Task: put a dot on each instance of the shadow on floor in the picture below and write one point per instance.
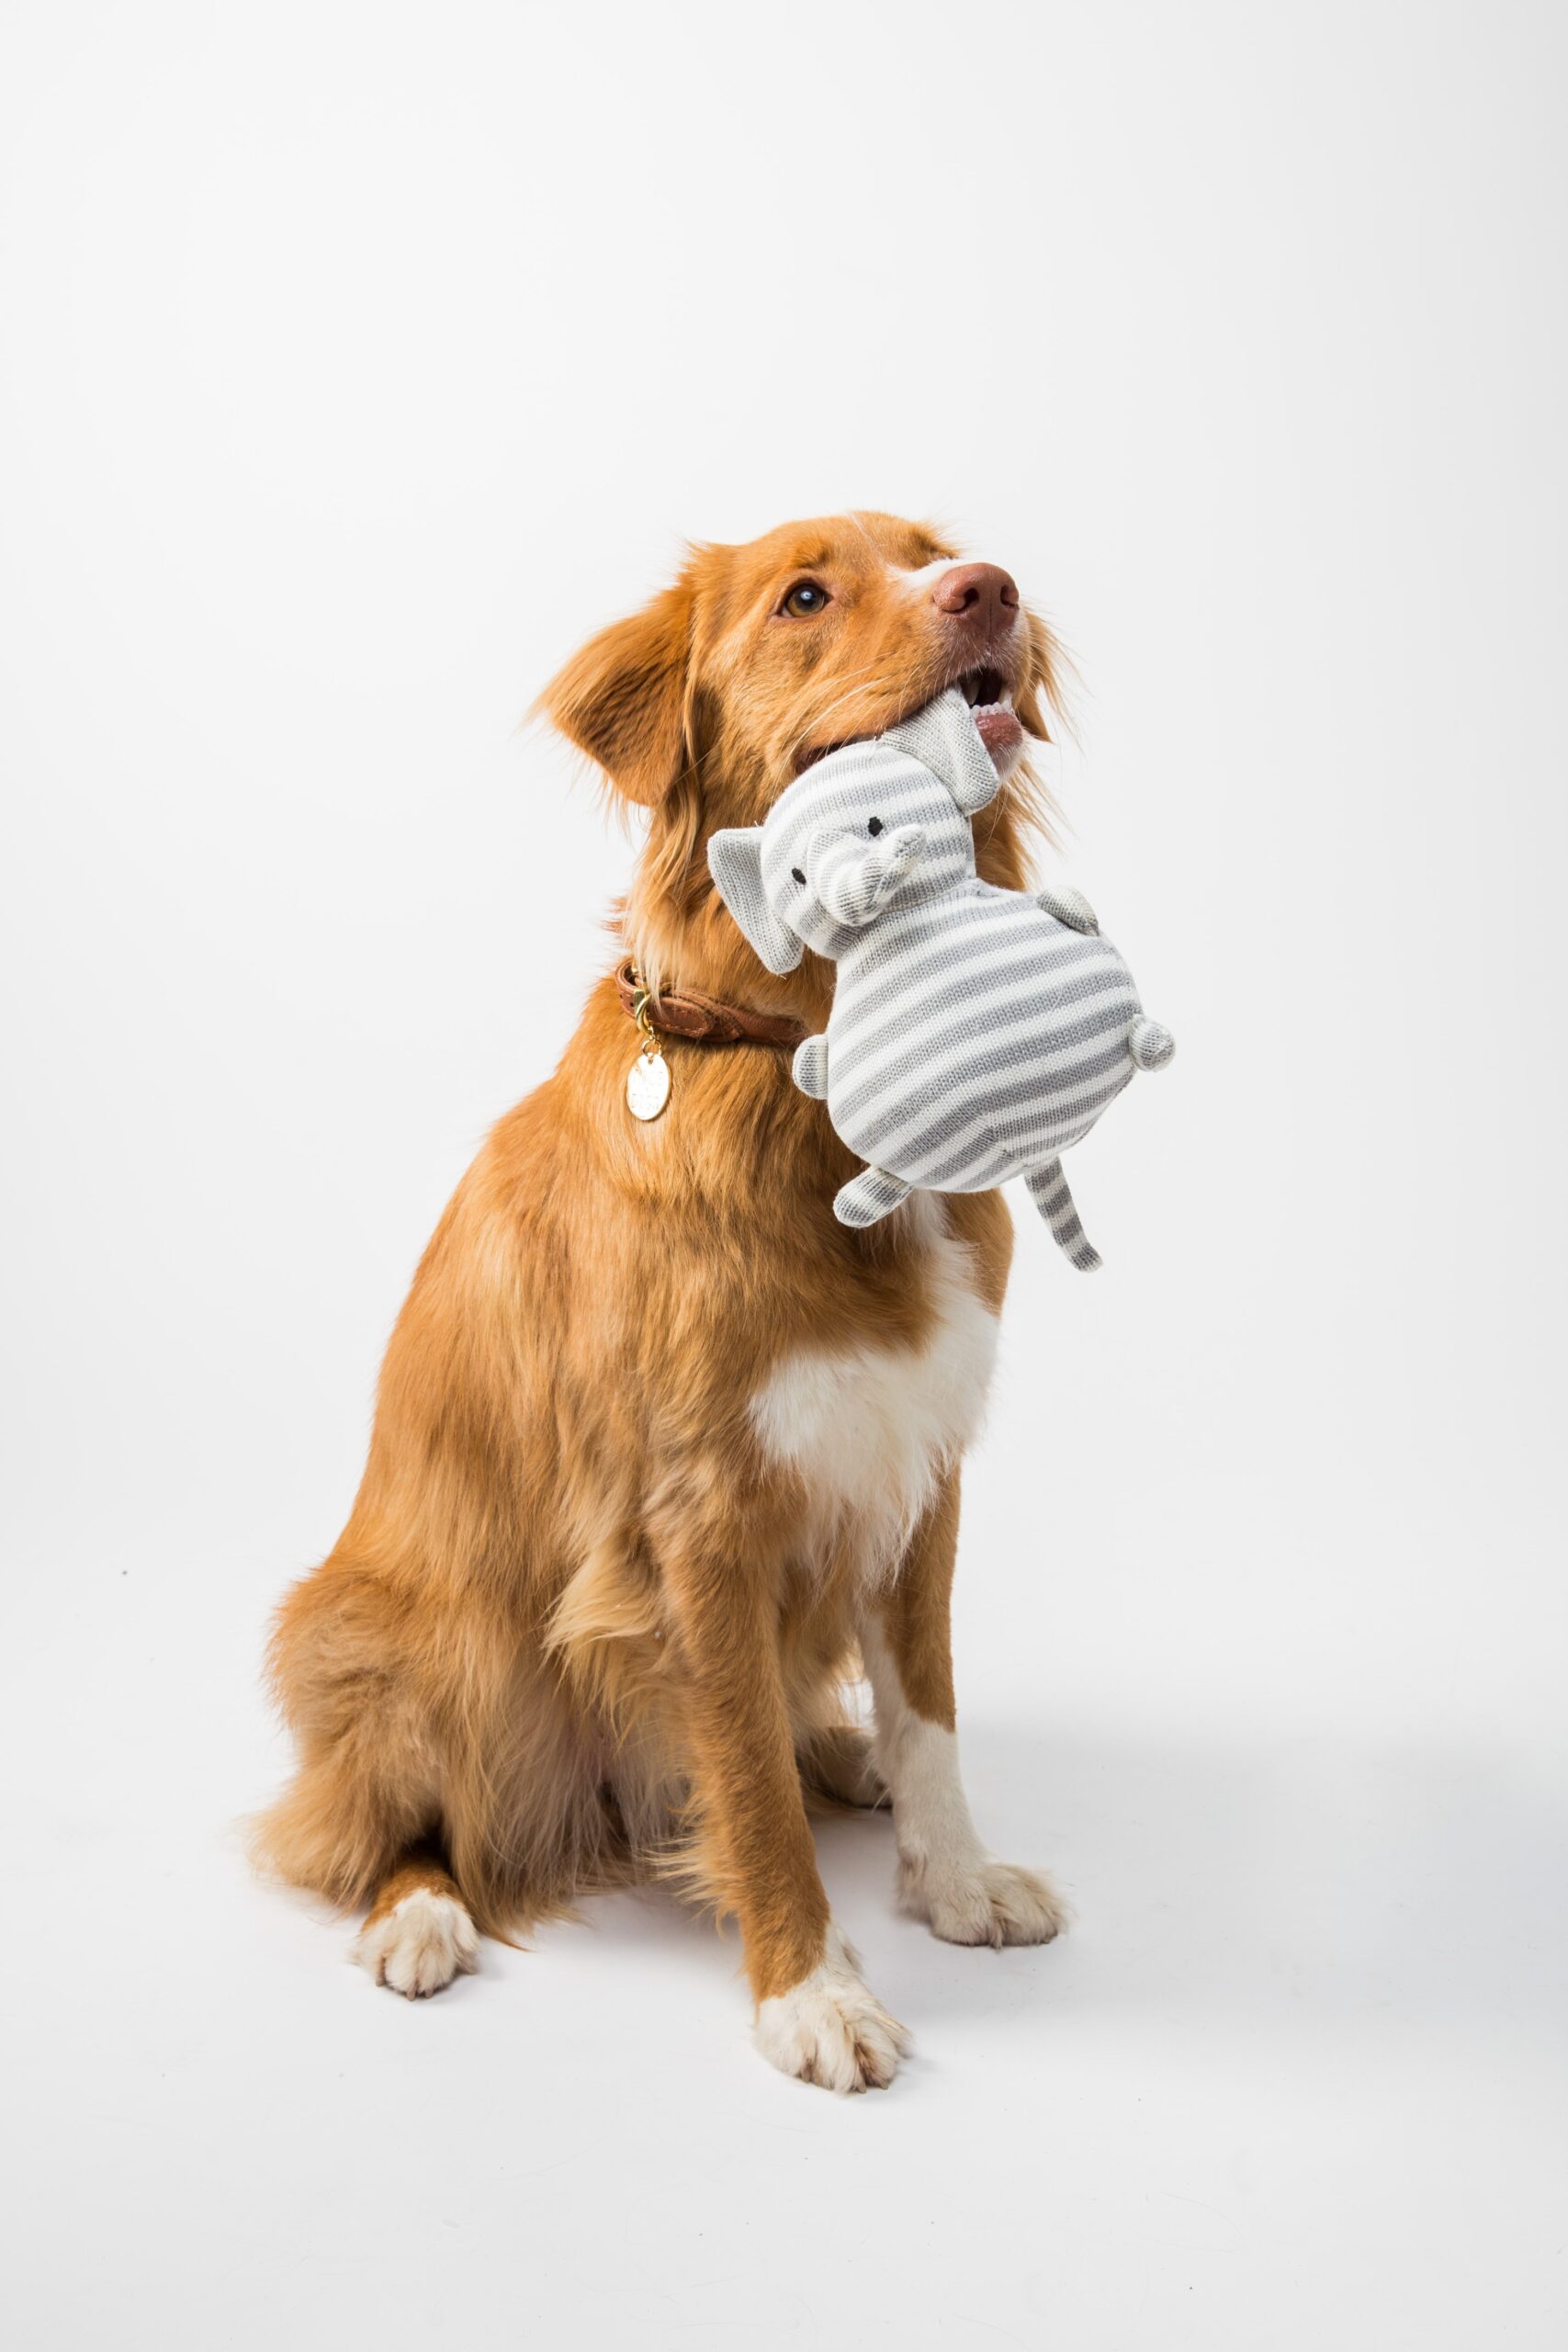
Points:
(1305, 1879)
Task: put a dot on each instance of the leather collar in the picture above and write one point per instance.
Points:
(702, 1020)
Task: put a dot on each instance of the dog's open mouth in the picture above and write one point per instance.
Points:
(981, 688)
(996, 723)
(988, 696)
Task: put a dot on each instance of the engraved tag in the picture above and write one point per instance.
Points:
(648, 1085)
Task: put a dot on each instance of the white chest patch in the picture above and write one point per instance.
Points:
(870, 1431)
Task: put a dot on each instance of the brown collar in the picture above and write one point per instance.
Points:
(686, 1012)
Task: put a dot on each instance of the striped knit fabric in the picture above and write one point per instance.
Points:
(976, 1032)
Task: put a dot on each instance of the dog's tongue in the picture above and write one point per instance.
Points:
(1000, 729)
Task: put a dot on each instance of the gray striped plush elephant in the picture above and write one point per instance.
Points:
(976, 1032)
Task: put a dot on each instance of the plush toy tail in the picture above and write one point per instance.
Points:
(1150, 1046)
(1054, 1203)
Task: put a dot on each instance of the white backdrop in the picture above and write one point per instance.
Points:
(358, 361)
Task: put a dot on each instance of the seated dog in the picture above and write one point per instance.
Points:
(662, 1451)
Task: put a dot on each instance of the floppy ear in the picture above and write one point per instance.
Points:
(943, 738)
(623, 698)
(734, 861)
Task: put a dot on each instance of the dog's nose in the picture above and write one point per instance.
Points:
(982, 594)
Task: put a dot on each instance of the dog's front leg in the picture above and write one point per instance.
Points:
(814, 2017)
(946, 1874)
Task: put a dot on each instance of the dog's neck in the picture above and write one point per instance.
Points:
(697, 944)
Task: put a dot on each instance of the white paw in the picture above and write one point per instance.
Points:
(830, 2029)
(987, 1902)
(420, 1944)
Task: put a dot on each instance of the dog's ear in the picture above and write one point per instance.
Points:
(734, 861)
(622, 699)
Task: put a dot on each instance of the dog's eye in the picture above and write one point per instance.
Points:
(804, 599)
(874, 825)
(797, 875)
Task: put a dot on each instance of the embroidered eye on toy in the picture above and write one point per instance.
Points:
(976, 1032)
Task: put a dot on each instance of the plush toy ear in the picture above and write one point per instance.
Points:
(943, 738)
(623, 698)
(734, 861)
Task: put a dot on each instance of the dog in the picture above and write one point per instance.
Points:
(663, 1453)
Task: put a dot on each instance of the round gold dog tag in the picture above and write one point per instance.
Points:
(648, 1085)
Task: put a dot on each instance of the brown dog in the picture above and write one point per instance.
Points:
(658, 1445)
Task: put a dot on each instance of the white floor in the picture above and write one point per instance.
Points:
(1295, 2078)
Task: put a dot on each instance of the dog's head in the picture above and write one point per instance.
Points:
(760, 658)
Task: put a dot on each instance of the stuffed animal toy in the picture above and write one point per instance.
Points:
(976, 1032)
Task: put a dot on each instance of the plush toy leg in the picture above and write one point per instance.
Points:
(1054, 1203)
(868, 1196)
(1150, 1046)
(810, 1067)
(1069, 907)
